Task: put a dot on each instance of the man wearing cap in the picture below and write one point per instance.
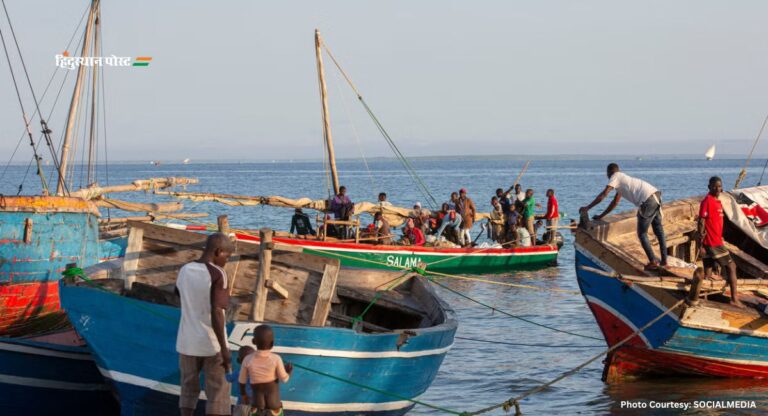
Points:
(466, 208)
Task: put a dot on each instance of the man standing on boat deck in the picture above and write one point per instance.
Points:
(710, 235)
(648, 200)
(202, 339)
(553, 214)
(466, 208)
(342, 208)
(529, 214)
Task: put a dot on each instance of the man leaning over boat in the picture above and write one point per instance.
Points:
(648, 201)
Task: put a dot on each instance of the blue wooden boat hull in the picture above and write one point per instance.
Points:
(134, 346)
(668, 346)
(39, 236)
(42, 378)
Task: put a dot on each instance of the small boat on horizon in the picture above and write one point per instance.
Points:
(710, 153)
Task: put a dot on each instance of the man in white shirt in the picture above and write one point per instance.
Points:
(202, 339)
(648, 201)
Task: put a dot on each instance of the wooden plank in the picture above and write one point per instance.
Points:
(132, 254)
(281, 291)
(259, 304)
(170, 235)
(325, 295)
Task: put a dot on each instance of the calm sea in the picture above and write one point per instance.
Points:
(475, 374)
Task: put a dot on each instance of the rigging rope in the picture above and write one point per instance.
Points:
(759, 182)
(24, 115)
(401, 157)
(46, 131)
(743, 172)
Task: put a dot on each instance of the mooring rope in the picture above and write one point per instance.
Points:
(518, 344)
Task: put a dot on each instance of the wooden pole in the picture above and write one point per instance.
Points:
(93, 192)
(223, 223)
(259, 304)
(326, 114)
(75, 102)
(520, 175)
(92, 156)
(132, 254)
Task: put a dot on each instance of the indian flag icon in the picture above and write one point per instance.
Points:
(142, 61)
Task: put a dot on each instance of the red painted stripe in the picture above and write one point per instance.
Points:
(25, 302)
(415, 249)
(635, 359)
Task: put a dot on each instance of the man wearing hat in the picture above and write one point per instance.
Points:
(466, 208)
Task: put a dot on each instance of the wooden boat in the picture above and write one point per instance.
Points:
(706, 336)
(397, 346)
(40, 234)
(51, 374)
(365, 253)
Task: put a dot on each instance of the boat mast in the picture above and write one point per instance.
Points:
(75, 101)
(94, 99)
(326, 115)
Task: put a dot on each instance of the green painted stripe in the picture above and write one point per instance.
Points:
(141, 64)
(458, 264)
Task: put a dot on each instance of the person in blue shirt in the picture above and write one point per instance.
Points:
(243, 407)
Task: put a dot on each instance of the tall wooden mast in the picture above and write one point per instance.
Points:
(326, 115)
(73, 105)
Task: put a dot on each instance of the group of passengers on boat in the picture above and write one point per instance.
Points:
(512, 223)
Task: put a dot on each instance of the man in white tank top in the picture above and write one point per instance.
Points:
(648, 201)
(202, 339)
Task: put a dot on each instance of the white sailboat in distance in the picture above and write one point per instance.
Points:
(710, 153)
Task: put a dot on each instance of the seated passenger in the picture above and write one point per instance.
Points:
(300, 223)
(449, 220)
(412, 234)
(382, 233)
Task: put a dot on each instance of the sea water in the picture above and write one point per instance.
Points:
(478, 374)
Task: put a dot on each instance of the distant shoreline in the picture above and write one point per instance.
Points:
(178, 161)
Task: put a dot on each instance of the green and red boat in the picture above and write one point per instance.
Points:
(444, 260)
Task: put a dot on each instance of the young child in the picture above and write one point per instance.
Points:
(243, 407)
(263, 371)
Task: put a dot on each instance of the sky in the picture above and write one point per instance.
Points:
(238, 80)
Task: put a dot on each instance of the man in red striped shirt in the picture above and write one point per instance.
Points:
(710, 234)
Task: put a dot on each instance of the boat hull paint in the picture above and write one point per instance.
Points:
(146, 377)
(449, 260)
(666, 347)
(39, 236)
(44, 378)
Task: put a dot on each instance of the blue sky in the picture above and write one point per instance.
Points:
(237, 79)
